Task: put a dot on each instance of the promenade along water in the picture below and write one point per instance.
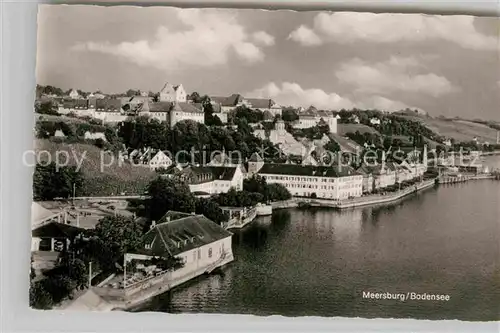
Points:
(318, 263)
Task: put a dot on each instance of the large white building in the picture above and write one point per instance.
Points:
(335, 183)
(199, 243)
(312, 118)
(208, 180)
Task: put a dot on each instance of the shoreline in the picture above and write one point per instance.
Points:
(373, 199)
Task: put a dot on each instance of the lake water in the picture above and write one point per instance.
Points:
(445, 240)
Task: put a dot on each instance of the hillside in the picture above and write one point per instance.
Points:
(460, 130)
(113, 179)
(342, 129)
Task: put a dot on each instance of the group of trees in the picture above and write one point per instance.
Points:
(190, 135)
(312, 133)
(172, 194)
(365, 138)
(251, 116)
(51, 181)
(255, 190)
(74, 132)
(59, 283)
(46, 107)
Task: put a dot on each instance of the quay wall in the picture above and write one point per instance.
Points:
(372, 199)
(379, 199)
(125, 299)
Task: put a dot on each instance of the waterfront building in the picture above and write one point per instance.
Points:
(324, 182)
(207, 180)
(367, 184)
(227, 104)
(201, 245)
(383, 175)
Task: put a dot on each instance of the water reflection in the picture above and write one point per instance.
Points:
(302, 262)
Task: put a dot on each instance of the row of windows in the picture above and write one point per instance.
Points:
(314, 179)
(197, 254)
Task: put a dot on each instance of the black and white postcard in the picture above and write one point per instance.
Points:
(266, 162)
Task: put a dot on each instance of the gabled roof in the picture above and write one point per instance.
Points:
(181, 232)
(260, 103)
(255, 158)
(56, 230)
(174, 106)
(307, 170)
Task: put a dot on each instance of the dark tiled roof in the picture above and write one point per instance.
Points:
(191, 107)
(56, 230)
(76, 104)
(307, 170)
(260, 103)
(169, 106)
(182, 234)
(268, 116)
(232, 100)
(160, 106)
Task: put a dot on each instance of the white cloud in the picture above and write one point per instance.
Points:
(305, 36)
(208, 37)
(263, 38)
(383, 103)
(397, 74)
(292, 94)
(391, 28)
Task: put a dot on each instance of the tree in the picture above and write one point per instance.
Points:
(211, 210)
(47, 107)
(50, 181)
(132, 92)
(277, 192)
(40, 298)
(332, 146)
(169, 194)
(289, 115)
(195, 97)
(121, 234)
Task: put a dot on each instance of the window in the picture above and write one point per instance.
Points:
(199, 254)
(210, 252)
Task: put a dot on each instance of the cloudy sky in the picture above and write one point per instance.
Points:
(445, 65)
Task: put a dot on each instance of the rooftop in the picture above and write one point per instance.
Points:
(183, 233)
(56, 230)
(308, 170)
